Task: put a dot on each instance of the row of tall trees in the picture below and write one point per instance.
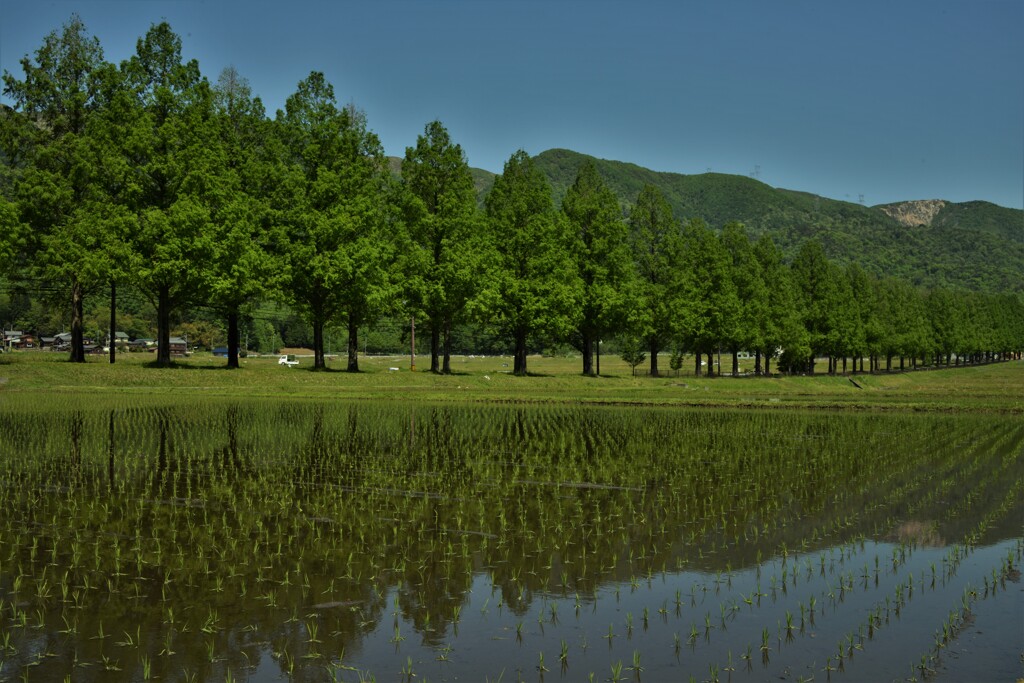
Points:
(146, 173)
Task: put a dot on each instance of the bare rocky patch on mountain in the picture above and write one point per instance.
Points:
(916, 212)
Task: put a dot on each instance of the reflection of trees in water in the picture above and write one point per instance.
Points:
(285, 516)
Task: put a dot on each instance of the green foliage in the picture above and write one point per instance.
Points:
(744, 330)
(266, 338)
(603, 259)
(978, 216)
(446, 243)
(241, 268)
(62, 208)
(825, 297)
(709, 306)
(633, 352)
(656, 243)
(168, 171)
(975, 245)
(339, 239)
(532, 287)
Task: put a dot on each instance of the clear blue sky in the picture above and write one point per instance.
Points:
(892, 100)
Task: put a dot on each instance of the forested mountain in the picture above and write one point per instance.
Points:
(973, 245)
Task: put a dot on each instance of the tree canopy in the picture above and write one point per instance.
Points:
(188, 194)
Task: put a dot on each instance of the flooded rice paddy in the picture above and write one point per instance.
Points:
(216, 540)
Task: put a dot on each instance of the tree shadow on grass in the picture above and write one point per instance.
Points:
(153, 365)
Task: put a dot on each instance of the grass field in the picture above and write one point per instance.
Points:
(998, 387)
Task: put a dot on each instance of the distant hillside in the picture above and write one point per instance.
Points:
(972, 245)
(975, 245)
(983, 217)
(482, 180)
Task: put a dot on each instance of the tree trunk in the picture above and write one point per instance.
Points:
(888, 362)
(654, 357)
(901, 363)
(113, 320)
(767, 363)
(446, 366)
(588, 354)
(519, 363)
(597, 355)
(412, 343)
(711, 364)
(435, 344)
(233, 339)
(77, 337)
(735, 363)
(353, 345)
(163, 327)
(318, 344)
(696, 364)
(757, 362)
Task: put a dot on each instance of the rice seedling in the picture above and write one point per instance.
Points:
(348, 520)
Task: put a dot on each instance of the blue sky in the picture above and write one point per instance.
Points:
(889, 100)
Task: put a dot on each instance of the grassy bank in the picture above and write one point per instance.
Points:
(997, 387)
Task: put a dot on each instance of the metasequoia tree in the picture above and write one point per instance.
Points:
(708, 305)
(532, 288)
(655, 241)
(173, 166)
(743, 330)
(603, 259)
(60, 206)
(781, 327)
(241, 270)
(445, 235)
(339, 232)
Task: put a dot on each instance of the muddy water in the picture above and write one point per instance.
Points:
(272, 541)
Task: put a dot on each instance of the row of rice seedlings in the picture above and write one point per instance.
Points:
(206, 498)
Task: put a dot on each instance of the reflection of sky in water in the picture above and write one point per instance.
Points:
(278, 518)
(486, 643)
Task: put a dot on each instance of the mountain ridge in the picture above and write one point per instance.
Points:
(973, 245)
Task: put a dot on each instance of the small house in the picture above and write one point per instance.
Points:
(140, 345)
(12, 339)
(178, 346)
(120, 340)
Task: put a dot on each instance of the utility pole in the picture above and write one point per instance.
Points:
(113, 320)
(412, 345)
